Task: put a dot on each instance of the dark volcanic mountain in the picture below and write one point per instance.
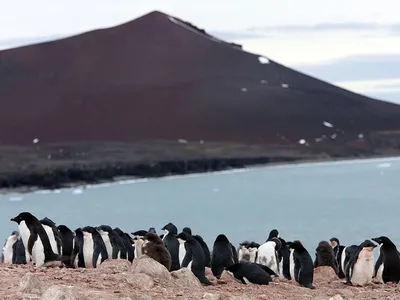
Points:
(159, 78)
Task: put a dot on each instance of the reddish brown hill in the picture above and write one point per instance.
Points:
(157, 78)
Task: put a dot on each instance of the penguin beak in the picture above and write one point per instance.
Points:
(13, 220)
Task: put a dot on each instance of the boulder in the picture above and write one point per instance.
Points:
(115, 266)
(30, 284)
(324, 274)
(185, 277)
(140, 281)
(56, 292)
(149, 266)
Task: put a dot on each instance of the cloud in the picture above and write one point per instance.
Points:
(356, 67)
(322, 27)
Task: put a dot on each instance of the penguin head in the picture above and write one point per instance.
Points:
(24, 216)
(381, 240)
(334, 242)
(296, 245)
(170, 229)
(187, 230)
(139, 233)
(222, 238)
(324, 246)
(274, 233)
(367, 244)
(244, 244)
(278, 243)
(153, 238)
(183, 236)
(104, 229)
(152, 230)
(15, 233)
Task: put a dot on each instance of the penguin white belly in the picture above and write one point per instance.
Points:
(107, 242)
(281, 270)
(291, 265)
(253, 254)
(38, 253)
(25, 234)
(52, 239)
(88, 248)
(98, 261)
(363, 269)
(342, 259)
(182, 251)
(267, 256)
(8, 250)
(379, 273)
(241, 252)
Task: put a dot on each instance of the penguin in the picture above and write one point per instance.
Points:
(78, 255)
(223, 255)
(113, 242)
(338, 250)
(360, 267)
(303, 271)
(156, 249)
(182, 248)
(347, 252)
(94, 249)
(274, 233)
(284, 264)
(126, 239)
(390, 260)
(196, 255)
(9, 246)
(248, 272)
(243, 251)
(267, 254)
(19, 253)
(253, 251)
(324, 256)
(202, 243)
(67, 241)
(36, 241)
(152, 230)
(54, 235)
(172, 244)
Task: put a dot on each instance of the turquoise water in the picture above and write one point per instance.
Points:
(352, 200)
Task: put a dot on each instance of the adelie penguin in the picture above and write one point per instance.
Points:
(36, 241)
(172, 244)
(138, 239)
(223, 255)
(194, 254)
(284, 264)
(202, 243)
(114, 245)
(303, 268)
(94, 249)
(338, 252)
(53, 234)
(14, 250)
(267, 254)
(154, 248)
(360, 267)
(324, 256)
(67, 239)
(248, 272)
(127, 240)
(390, 260)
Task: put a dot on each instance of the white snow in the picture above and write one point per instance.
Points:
(264, 81)
(384, 165)
(172, 19)
(333, 136)
(16, 198)
(263, 60)
(327, 124)
(201, 141)
(244, 89)
(302, 141)
(182, 141)
(360, 136)
(318, 140)
(35, 141)
(77, 191)
(285, 85)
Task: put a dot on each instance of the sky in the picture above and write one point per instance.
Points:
(352, 43)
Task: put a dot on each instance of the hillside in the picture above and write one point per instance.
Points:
(157, 79)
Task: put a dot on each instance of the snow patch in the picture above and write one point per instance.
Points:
(263, 60)
(302, 141)
(182, 141)
(12, 199)
(263, 81)
(333, 136)
(244, 90)
(35, 140)
(360, 136)
(285, 85)
(384, 165)
(77, 192)
(327, 124)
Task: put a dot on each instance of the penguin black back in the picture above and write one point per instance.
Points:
(77, 251)
(127, 242)
(390, 258)
(252, 272)
(117, 244)
(222, 255)
(99, 247)
(303, 265)
(57, 236)
(172, 244)
(284, 255)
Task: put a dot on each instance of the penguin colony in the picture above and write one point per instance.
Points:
(43, 244)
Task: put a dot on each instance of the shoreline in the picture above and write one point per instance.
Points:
(114, 180)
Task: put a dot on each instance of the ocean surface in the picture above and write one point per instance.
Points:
(352, 200)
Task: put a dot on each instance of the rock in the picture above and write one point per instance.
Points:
(337, 297)
(210, 296)
(30, 284)
(149, 266)
(324, 274)
(30, 297)
(262, 297)
(56, 292)
(115, 266)
(227, 278)
(145, 297)
(210, 276)
(140, 281)
(185, 277)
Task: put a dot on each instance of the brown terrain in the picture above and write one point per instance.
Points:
(146, 279)
(158, 96)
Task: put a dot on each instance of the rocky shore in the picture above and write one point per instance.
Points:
(145, 279)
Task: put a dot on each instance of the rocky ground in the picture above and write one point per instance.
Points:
(145, 279)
